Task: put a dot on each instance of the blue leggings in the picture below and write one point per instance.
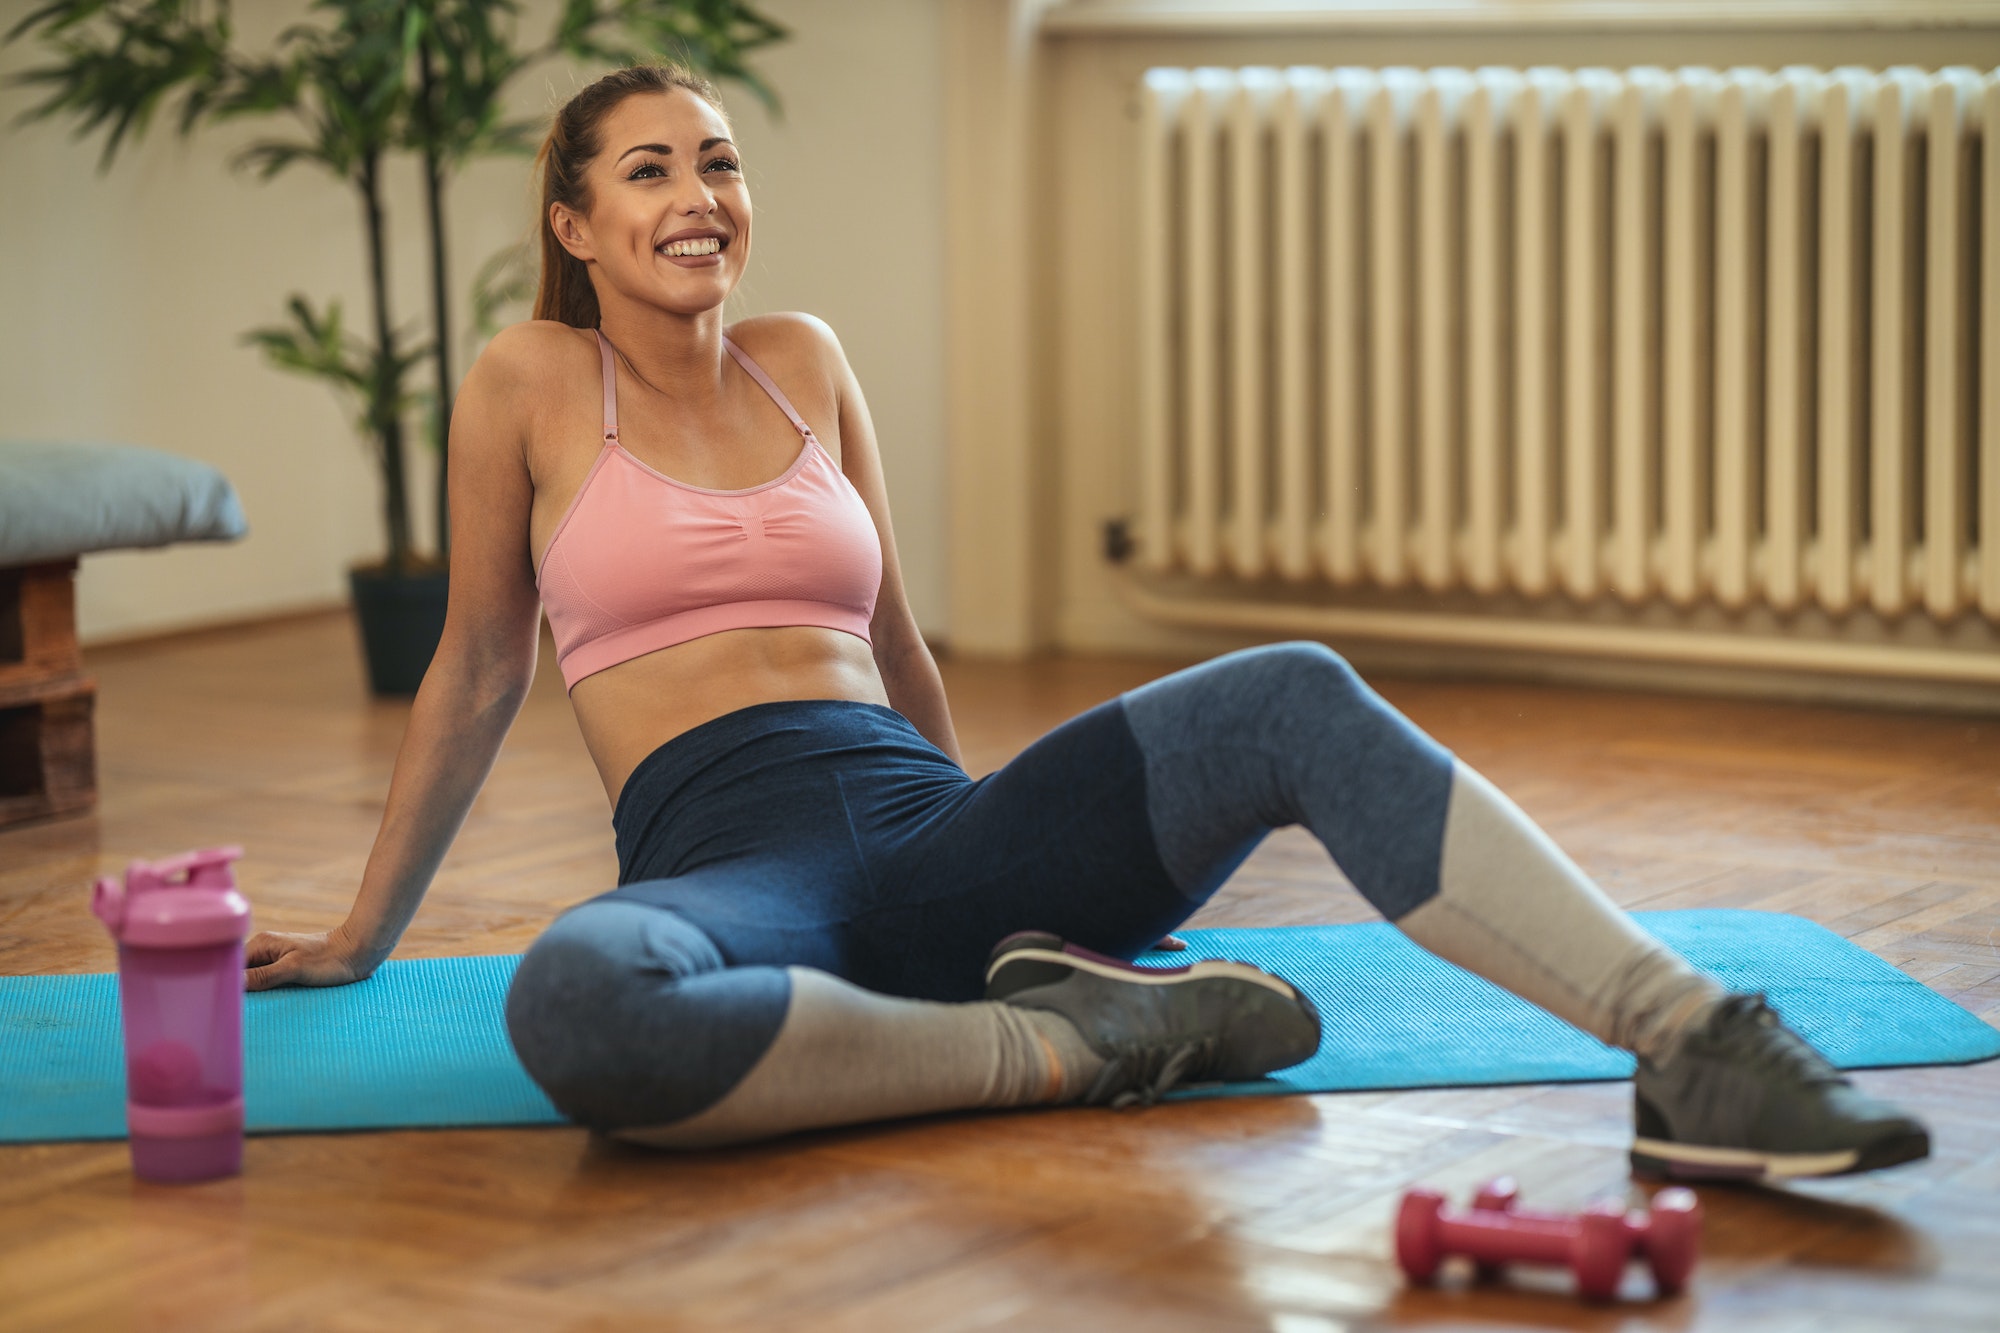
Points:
(831, 835)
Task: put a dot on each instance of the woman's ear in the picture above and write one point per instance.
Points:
(572, 229)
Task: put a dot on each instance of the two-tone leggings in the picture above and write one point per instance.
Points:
(808, 892)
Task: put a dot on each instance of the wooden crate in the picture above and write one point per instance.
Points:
(48, 760)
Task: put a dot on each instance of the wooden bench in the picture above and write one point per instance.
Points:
(48, 762)
(59, 502)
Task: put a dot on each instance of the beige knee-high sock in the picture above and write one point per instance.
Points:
(846, 1055)
(1513, 908)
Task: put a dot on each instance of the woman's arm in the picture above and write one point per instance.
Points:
(470, 695)
(909, 673)
(916, 690)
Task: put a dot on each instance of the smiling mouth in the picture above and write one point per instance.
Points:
(692, 248)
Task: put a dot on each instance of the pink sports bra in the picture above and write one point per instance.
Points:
(642, 562)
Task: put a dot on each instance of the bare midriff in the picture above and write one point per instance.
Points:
(628, 711)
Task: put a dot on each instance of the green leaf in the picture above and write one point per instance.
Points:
(507, 278)
(118, 61)
(372, 380)
(269, 157)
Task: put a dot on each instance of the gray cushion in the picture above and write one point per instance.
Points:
(62, 500)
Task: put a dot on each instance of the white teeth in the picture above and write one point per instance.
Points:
(700, 245)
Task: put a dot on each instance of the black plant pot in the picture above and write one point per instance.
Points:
(401, 618)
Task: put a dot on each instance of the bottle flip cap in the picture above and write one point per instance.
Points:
(183, 901)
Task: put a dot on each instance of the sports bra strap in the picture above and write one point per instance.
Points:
(610, 389)
(756, 372)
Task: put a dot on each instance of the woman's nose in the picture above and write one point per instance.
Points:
(700, 202)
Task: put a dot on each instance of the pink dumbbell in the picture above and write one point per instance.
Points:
(1596, 1244)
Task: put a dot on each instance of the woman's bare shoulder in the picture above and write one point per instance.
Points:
(523, 383)
(793, 341)
(534, 354)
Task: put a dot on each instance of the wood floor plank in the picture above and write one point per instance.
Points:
(1268, 1214)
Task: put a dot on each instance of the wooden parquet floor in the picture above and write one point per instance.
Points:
(1266, 1214)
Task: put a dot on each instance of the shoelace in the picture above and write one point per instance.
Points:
(1140, 1073)
(1782, 1051)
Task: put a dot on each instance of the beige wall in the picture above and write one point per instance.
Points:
(125, 296)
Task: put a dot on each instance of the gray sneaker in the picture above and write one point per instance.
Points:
(1745, 1098)
(1157, 1028)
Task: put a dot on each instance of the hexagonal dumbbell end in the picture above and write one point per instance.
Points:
(1419, 1235)
(1599, 1248)
(1670, 1238)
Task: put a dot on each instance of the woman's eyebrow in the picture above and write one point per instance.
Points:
(665, 150)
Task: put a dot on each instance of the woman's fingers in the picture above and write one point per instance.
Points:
(276, 959)
(1171, 944)
(266, 947)
(278, 973)
(272, 960)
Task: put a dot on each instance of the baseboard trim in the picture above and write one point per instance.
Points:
(140, 640)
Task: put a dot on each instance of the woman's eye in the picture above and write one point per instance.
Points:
(646, 171)
(727, 164)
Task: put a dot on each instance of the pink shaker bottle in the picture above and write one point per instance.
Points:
(180, 925)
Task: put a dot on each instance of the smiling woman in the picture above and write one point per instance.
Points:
(579, 135)
(820, 917)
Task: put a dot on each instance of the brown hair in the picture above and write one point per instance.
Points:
(575, 138)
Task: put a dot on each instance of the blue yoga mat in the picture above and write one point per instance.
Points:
(422, 1043)
(1398, 1017)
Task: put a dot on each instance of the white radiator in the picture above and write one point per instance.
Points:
(1653, 338)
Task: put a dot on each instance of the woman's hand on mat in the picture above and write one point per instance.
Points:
(275, 958)
(1171, 944)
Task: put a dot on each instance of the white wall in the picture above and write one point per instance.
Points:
(125, 297)
(849, 190)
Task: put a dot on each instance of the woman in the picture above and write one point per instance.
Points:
(820, 918)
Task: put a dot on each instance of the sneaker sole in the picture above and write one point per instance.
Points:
(1072, 958)
(1666, 1159)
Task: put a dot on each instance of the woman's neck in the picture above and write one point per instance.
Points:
(676, 356)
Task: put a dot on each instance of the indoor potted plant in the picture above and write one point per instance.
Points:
(370, 81)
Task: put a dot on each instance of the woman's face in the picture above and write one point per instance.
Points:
(669, 220)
